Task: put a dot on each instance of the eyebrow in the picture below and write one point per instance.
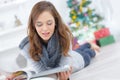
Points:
(38, 22)
(47, 21)
(50, 20)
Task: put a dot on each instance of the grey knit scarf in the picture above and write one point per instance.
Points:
(51, 53)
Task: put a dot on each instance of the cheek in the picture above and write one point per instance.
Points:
(38, 30)
(53, 28)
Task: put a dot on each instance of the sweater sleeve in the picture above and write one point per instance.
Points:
(33, 67)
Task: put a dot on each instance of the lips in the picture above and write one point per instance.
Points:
(46, 34)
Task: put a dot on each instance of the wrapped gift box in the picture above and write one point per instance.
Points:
(106, 41)
(102, 33)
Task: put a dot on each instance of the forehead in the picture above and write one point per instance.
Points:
(46, 15)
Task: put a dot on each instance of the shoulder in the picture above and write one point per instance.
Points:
(24, 42)
(24, 47)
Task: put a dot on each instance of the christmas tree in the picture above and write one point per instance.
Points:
(84, 20)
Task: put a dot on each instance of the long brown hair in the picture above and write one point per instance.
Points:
(35, 41)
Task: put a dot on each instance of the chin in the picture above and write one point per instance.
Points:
(46, 39)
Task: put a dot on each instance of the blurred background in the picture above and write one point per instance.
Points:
(85, 18)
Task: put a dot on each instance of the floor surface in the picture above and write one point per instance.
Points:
(105, 66)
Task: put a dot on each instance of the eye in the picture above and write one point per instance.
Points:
(39, 24)
(49, 23)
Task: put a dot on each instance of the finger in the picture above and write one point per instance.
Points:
(71, 69)
(69, 73)
(60, 76)
(63, 74)
(7, 79)
(10, 77)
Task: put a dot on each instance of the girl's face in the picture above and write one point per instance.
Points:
(45, 25)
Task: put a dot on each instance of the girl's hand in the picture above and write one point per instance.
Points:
(19, 75)
(64, 75)
(10, 77)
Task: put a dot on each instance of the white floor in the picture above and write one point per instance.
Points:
(105, 66)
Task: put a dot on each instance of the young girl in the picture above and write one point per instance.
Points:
(49, 44)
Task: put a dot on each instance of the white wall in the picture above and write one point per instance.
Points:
(115, 18)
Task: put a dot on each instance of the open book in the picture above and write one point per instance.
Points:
(18, 74)
(52, 71)
(41, 74)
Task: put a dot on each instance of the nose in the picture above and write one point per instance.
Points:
(44, 27)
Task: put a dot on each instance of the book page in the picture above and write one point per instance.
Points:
(52, 71)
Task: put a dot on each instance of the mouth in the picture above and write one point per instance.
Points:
(46, 34)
